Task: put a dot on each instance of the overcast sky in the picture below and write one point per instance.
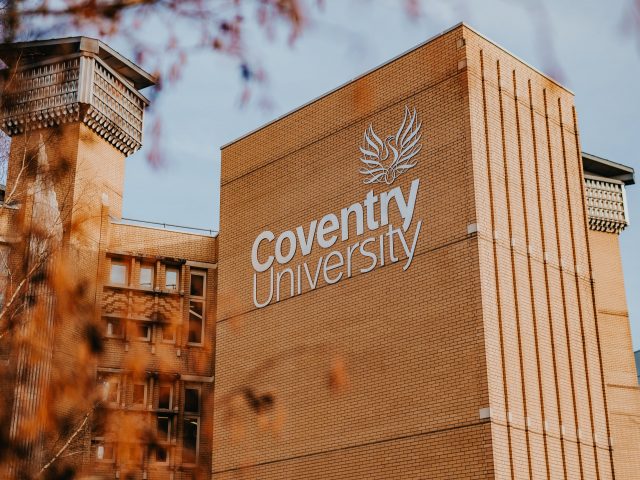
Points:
(599, 62)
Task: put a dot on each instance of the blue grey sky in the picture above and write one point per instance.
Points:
(599, 62)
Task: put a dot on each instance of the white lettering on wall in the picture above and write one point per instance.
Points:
(392, 245)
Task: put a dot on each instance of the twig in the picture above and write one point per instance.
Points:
(67, 443)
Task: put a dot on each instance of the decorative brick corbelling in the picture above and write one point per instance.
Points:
(81, 88)
(606, 205)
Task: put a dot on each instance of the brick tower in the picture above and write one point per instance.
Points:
(74, 113)
(408, 282)
(605, 183)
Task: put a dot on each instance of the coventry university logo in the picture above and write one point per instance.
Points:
(386, 160)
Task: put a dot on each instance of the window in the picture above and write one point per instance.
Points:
(146, 276)
(110, 385)
(196, 307)
(196, 322)
(132, 453)
(164, 429)
(165, 395)
(192, 399)
(139, 394)
(142, 331)
(162, 455)
(114, 327)
(119, 273)
(190, 440)
(104, 451)
(168, 333)
(197, 284)
(171, 279)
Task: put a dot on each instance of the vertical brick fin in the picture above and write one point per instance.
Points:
(503, 415)
(595, 316)
(554, 416)
(559, 204)
(512, 190)
(568, 157)
(536, 395)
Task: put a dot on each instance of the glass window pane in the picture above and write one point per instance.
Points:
(138, 393)
(143, 331)
(114, 327)
(168, 333)
(109, 387)
(189, 440)
(164, 396)
(146, 276)
(118, 273)
(171, 280)
(161, 454)
(196, 307)
(192, 400)
(197, 285)
(163, 429)
(195, 328)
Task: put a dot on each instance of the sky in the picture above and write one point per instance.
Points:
(201, 112)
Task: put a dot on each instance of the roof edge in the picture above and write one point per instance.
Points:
(384, 64)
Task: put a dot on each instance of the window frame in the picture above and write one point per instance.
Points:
(201, 317)
(147, 266)
(109, 376)
(137, 324)
(197, 388)
(110, 321)
(101, 443)
(171, 388)
(145, 395)
(198, 273)
(123, 263)
(169, 422)
(186, 419)
(166, 285)
(162, 330)
(167, 448)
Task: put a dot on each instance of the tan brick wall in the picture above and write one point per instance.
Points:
(503, 318)
(623, 393)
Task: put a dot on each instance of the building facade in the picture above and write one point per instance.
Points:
(126, 306)
(420, 278)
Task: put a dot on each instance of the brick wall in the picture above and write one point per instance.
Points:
(496, 311)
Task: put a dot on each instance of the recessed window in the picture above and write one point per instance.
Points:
(162, 454)
(165, 395)
(190, 429)
(114, 327)
(197, 284)
(164, 427)
(132, 454)
(168, 333)
(171, 279)
(110, 385)
(142, 331)
(192, 399)
(196, 322)
(119, 273)
(139, 394)
(105, 451)
(146, 276)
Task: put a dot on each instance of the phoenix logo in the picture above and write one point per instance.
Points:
(384, 161)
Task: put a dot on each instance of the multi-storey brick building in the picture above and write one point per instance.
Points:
(74, 112)
(420, 281)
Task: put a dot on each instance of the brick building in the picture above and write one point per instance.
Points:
(74, 110)
(420, 278)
